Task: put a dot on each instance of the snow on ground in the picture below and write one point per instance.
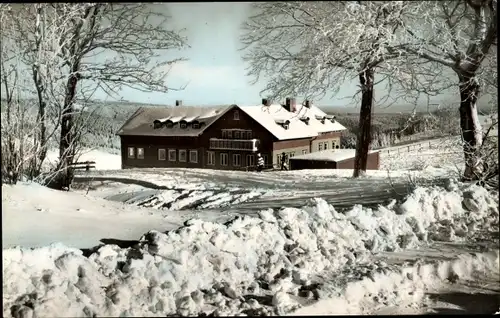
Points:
(271, 264)
(79, 221)
(103, 159)
(445, 157)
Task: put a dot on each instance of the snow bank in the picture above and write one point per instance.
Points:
(247, 266)
(405, 287)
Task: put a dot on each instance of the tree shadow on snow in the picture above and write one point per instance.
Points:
(478, 303)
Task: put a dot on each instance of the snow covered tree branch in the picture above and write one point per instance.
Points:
(93, 45)
(461, 36)
(311, 49)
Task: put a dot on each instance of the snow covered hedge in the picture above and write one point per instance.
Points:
(248, 266)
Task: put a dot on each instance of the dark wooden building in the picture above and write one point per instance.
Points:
(333, 159)
(222, 137)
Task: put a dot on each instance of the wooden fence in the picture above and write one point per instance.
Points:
(418, 146)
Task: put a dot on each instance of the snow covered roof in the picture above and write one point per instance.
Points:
(313, 112)
(271, 116)
(141, 122)
(330, 155)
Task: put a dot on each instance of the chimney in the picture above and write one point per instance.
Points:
(178, 103)
(266, 102)
(308, 103)
(291, 104)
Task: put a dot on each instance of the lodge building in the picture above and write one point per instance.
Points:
(225, 137)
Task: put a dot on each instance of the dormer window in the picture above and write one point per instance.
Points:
(183, 125)
(195, 125)
(236, 115)
(305, 120)
(169, 124)
(331, 118)
(283, 123)
(321, 119)
(156, 124)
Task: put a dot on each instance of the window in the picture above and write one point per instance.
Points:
(183, 125)
(182, 155)
(195, 125)
(140, 153)
(224, 134)
(210, 158)
(333, 144)
(265, 159)
(162, 154)
(249, 135)
(291, 154)
(229, 134)
(326, 145)
(172, 154)
(285, 126)
(304, 152)
(223, 159)
(236, 160)
(320, 146)
(236, 115)
(237, 134)
(250, 160)
(131, 152)
(193, 156)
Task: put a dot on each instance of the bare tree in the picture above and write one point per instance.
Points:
(24, 131)
(312, 48)
(103, 46)
(459, 36)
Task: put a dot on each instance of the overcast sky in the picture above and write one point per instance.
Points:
(215, 72)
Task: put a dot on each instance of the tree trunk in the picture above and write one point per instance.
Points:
(470, 126)
(41, 121)
(365, 121)
(67, 140)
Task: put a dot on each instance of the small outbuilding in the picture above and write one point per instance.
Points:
(333, 159)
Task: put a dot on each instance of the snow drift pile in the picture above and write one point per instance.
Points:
(265, 265)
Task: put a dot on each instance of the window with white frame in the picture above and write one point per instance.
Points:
(223, 159)
(172, 154)
(193, 156)
(182, 155)
(250, 160)
(210, 158)
(265, 159)
(333, 144)
(236, 160)
(162, 154)
(237, 134)
(229, 134)
(249, 134)
(131, 152)
(304, 152)
(320, 146)
(140, 153)
(236, 115)
(326, 145)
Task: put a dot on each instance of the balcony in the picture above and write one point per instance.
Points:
(234, 144)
